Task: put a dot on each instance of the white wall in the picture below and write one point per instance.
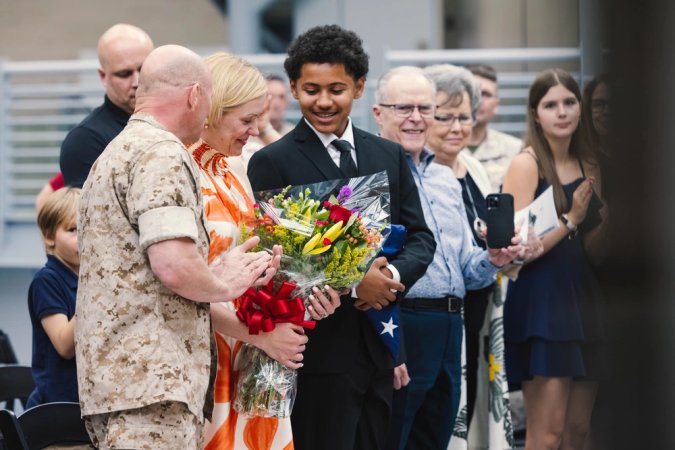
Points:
(516, 23)
(382, 24)
(48, 29)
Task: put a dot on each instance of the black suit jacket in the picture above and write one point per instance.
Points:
(301, 158)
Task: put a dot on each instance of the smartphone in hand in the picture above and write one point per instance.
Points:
(500, 226)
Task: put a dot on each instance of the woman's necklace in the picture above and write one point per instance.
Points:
(478, 223)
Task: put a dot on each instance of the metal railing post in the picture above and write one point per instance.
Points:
(4, 148)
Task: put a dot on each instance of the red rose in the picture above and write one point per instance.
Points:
(339, 213)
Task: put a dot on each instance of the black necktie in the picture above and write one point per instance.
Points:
(347, 165)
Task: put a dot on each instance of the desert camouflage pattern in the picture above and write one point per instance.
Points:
(166, 425)
(495, 154)
(137, 342)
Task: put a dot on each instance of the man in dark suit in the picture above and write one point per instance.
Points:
(345, 386)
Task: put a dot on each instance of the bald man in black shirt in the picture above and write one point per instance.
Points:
(121, 52)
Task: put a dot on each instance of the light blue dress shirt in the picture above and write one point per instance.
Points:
(459, 264)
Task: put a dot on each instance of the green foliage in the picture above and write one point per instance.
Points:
(340, 257)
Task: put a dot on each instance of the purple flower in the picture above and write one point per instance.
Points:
(345, 193)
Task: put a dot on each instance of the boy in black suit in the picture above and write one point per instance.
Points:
(345, 386)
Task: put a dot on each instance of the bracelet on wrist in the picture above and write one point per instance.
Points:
(571, 226)
(568, 223)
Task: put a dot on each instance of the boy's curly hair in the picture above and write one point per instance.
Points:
(327, 44)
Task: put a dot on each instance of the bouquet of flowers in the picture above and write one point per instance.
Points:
(330, 232)
(265, 387)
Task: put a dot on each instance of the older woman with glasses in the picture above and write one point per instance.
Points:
(457, 101)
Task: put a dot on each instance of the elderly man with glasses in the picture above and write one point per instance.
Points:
(427, 386)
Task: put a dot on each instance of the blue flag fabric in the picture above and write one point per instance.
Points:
(387, 321)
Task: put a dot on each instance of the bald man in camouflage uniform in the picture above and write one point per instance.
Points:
(143, 337)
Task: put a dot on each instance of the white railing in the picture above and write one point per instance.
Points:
(41, 100)
(483, 55)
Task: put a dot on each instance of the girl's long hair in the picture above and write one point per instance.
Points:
(579, 146)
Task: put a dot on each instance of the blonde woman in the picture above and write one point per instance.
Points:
(238, 102)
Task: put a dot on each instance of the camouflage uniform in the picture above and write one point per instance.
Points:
(138, 343)
(495, 154)
(166, 425)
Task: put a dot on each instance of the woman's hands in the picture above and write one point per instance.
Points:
(285, 344)
(322, 306)
(533, 248)
(272, 267)
(580, 201)
(241, 268)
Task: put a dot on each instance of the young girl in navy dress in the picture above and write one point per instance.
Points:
(551, 323)
(51, 302)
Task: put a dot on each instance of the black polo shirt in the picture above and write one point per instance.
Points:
(88, 139)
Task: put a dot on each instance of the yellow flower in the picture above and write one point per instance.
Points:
(318, 251)
(494, 368)
(333, 232)
(309, 246)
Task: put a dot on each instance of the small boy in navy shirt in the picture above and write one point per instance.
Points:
(51, 302)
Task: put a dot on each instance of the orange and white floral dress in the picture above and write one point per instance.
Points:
(226, 206)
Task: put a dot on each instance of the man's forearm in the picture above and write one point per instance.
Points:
(179, 266)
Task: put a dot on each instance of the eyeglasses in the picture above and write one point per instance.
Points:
(463, 120)
(406, 110)
(599, 104)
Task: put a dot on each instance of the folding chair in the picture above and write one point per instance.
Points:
(16, 383)
(53, 424)
(7, 355)
(12, 437)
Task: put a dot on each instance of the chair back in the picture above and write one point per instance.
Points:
(16, 383)
(58, 423)
(7, 355)
(12, 437)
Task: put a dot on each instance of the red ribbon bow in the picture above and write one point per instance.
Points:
(260, 310)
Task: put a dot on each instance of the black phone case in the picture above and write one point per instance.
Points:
(500, 226)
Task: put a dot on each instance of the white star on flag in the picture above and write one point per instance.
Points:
(389, 327)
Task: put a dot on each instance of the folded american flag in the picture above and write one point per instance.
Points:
(387, 321)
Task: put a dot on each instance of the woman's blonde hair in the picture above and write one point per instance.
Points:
(59, 208)
(235, 82)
